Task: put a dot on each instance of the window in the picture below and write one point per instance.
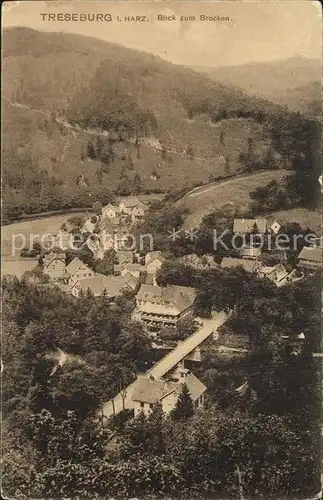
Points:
(151, 405)
(142, 405)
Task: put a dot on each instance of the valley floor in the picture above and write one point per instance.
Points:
(201, 201)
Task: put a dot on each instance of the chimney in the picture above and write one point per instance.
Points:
(183, 372)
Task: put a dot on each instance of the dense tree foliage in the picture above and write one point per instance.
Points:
(184, 407)
(42, 324)
(63, 357)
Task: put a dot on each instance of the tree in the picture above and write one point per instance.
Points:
(190, 152)
(97, 145)
(76, 221)
(90, 149)
(130, 163)
(184, 408)
(163, 152)
(227, 168)
(105, 266)
(137, 185)
(106, 154)
(185, 328)
(144, 435)
(137, 145)
(99, 174)
(154, 174)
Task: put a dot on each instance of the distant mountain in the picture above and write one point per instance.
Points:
(83, 117)
(273, 80)
(306, 99)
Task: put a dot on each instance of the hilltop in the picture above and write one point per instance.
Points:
(290, 82)
(84, 119)
(306, 99)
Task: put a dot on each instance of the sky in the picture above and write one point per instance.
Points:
(257, 31)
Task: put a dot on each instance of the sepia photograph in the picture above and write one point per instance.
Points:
(161, 250)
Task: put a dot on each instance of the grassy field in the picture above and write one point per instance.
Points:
(235, 191)
(304, 217)
(48, 225)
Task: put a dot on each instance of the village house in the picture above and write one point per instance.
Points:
(118, 239)
(54, 265)
(248, 226)
(99, 284)
(275, 227)
(151, 256)
(149, 392)
(90, 224)
(132, 207)
(77, 270)
(310, 258)
(138, 212)
(164, 306)
(135, 269)
(275, 273)
(250, 253)
(124, 257)
(132, 283)
(110, 211)
(106, 226)
(153, 262)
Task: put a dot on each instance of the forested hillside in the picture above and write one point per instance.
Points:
(305, 98)
(294, 82)
(83, 117)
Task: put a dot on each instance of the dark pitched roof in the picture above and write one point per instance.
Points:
(313, 254)
(75, 265)
(134, 267)
(195, 386)
(149, 390)
(99, 283)
(130, 280)
(113, 207)
(181, 297)
(54, 256)
(155, 254)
